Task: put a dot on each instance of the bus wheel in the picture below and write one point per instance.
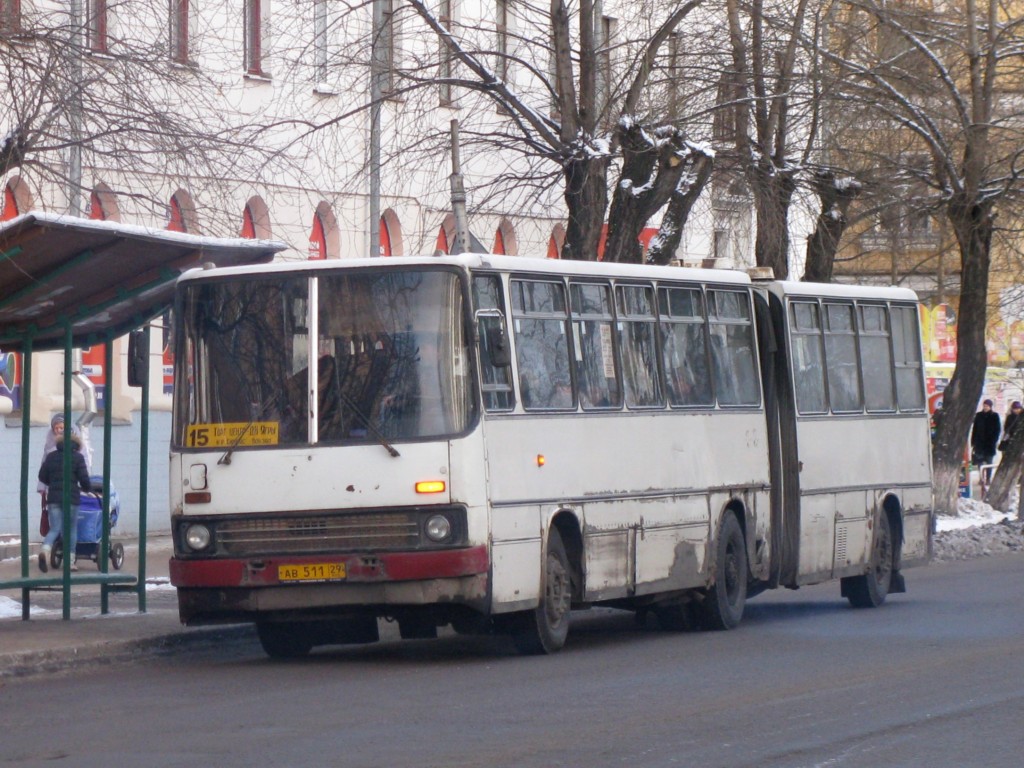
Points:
(870, 590)
(723, 606)
(677, 618)
(544, 629)
(283, 641)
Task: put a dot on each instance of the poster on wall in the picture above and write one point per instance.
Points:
(93, 359)
(10, 377)
(942, 335)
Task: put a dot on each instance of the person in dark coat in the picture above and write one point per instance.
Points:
(985, 434)
(1011, 423)
(51, 474)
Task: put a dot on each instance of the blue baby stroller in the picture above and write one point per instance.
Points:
(90, 528)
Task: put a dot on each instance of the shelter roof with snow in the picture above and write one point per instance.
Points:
(98, 278)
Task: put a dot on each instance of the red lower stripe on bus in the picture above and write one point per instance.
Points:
(272, 571)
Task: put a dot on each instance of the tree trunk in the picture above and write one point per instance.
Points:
(835, 196)
(973, 224)
(586, 199)
(664, 245)
(773, 191)
(1008, 472)
(653, 163)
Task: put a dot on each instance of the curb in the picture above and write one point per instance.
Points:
(25, 664)
(9, 551)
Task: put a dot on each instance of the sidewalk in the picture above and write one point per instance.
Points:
(48, 643)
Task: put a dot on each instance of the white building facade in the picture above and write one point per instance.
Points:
(252, 118)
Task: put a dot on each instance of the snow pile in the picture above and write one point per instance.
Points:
(976, 531)
(11, 609)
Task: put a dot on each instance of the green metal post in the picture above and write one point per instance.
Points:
(144, 477)
(66, 497)
(26, 427)
(104, 553)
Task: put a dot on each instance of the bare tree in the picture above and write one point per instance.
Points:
(588, 121)
(835, 195)
(770, 98)
(946, 80)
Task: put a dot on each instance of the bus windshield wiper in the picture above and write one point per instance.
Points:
(370, 427)
(256, 413)
(349, 403)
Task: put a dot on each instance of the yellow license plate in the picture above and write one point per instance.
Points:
(311, 572)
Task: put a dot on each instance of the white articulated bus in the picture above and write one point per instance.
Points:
(489, 442)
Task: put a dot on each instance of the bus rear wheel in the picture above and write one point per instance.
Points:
(544, 629)
(723, 605)
(871, 589)
(283, 641)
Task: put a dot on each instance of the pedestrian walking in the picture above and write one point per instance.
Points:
(51, 474)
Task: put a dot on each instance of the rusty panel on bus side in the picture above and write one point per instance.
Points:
(640, 481)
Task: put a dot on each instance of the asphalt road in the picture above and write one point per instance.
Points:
(934, 678)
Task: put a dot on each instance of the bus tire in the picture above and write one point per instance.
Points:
(871, 589)
(545, 628)
(723, 605)
(681, 617)
(283, 641)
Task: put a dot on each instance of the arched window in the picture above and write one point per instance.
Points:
(181, 213)
(96, 207)
(601, 242)
(505, 239)
(385, 238)
(17, 198)
(317, 239)
(390, 234)
(103, 204)
(176, 223)
(556, 241)
(442, 241)
(10, 209)
(446, 234)
(256, 219)
(248, 223)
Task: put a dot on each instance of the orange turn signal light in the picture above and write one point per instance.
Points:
(430, 486)
(541, 460)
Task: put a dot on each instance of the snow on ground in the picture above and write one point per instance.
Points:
(11, 609)
(977, 531)
(970, 513)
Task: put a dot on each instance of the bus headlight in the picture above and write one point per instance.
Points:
(438, 528)
(197, 537)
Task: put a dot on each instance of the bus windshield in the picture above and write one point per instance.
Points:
(392, 360)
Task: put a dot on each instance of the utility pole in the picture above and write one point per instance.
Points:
(378, 67)
(74, 106)
(461, 244)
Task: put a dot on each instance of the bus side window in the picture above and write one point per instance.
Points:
(906, 344)
(808, 356)
(495, 376)
(637, 328)
(844, 393)
(684, 347)
(733, 357)
(540, 323)
(876, 358)
(596, 369)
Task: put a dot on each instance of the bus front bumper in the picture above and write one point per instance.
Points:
(222, 589)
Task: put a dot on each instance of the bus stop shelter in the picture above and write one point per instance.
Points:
(68, 283)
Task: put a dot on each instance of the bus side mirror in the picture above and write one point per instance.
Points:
(497, 347)
(138, 359)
